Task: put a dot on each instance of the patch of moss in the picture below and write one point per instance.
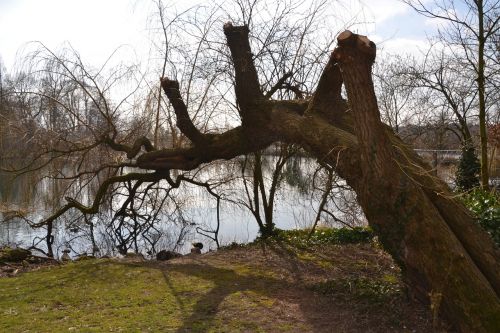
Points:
(93, 296)
(311, 257)
(106, 295)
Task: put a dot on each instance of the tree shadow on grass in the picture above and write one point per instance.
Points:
(281, 288)
(254, 299)
(252, 290)
(246, 291)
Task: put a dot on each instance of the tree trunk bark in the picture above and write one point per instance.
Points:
(482, 99)
(446, 259)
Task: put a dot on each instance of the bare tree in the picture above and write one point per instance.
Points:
(394, 91)
(468, 28)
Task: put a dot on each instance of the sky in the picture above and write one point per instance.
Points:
(95, 28)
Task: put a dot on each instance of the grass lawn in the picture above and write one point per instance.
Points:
(256, 288)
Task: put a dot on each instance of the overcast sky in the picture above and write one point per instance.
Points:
(97, 27)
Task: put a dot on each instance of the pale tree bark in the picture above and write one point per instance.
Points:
(446, 259)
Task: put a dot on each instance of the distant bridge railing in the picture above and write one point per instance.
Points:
(440, 155)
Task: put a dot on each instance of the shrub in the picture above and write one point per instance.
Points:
(468, 170)
(485, 206)
(13, 254)
(326, 236)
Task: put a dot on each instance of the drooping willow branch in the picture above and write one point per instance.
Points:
(177, 182)
(93, 209)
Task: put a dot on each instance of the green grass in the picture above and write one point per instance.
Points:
(322, 236)
(111, 296)
(370, 289)
(256, 288)
(89, 296)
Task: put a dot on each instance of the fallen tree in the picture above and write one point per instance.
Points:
(446, 259)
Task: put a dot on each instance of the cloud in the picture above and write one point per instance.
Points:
(401, 45)
(95, 28)
(383, 10)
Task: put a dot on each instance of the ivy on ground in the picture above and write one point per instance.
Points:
(485, 206)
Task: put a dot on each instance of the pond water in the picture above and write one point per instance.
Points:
(187, 209)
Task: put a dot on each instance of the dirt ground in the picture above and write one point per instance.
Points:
(32, 263)
(266, 287)
(337, 288)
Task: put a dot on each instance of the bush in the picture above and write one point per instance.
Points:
(485, 206)
(8, 254)
(468, 170)
(326, 236)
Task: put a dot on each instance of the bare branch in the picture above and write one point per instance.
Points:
(184, 122)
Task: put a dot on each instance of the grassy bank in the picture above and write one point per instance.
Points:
(265, 287)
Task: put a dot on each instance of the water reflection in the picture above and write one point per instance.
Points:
(173, 227)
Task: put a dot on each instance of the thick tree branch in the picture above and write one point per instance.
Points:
(133, 150)
(184, 122)
(355, 55)
(247, 85)
(285, 123)
(227, 145)
(327, 101)
(94, 208)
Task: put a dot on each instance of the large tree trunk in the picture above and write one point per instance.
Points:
(446, 259)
